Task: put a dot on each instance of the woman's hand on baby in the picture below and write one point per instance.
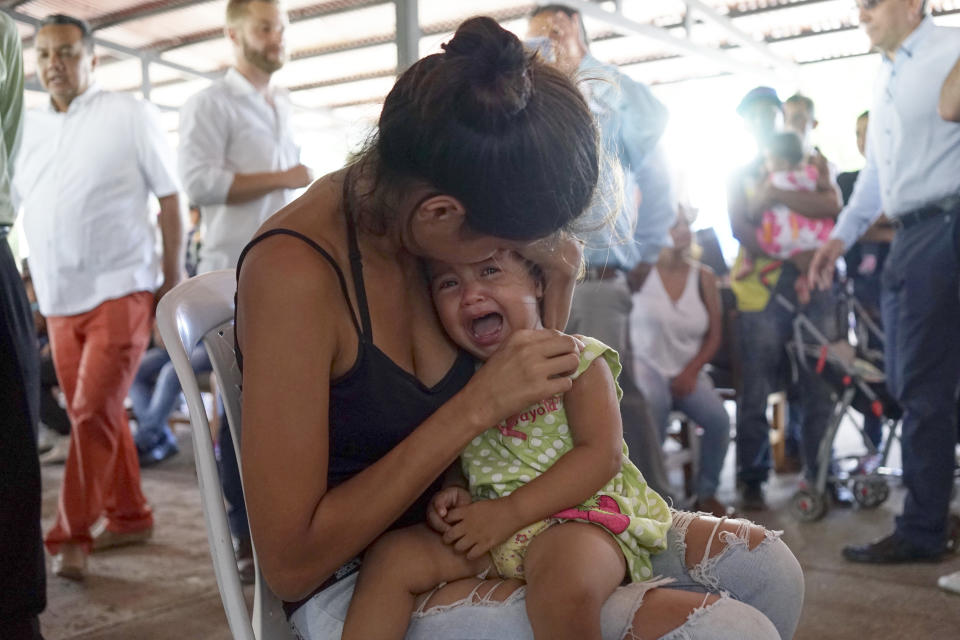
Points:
(442, 503)
(559, 257)
(478, 527)
(530, 366)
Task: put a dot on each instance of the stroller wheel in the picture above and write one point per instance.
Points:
(871, 492)
(808, 506)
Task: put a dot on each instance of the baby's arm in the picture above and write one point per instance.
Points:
(400, 565)
(593, 413)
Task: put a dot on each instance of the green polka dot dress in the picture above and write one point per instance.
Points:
(503, 458)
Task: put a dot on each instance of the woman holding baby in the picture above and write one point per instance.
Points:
(357, 403)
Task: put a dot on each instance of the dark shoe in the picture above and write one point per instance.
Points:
(890, 550)
(751, 497)
(157, 454)
(245, 567)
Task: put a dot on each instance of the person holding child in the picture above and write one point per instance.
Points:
(763, 321)
(519, 480)
(781, 233)
(356, 401)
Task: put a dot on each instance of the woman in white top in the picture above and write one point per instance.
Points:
(675, 329)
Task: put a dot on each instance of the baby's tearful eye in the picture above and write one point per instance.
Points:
(446, 284)
(489, 270)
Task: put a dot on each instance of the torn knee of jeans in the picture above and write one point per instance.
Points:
(488, 593)
(746, 535)
(709, 601)
(749, 534)
(681, 522)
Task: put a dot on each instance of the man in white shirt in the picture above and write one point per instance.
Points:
(239, 162)
(913, 161)
(89, 161)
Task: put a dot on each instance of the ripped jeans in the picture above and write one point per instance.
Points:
(761, 595)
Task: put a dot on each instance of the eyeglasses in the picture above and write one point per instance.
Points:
(867, 5)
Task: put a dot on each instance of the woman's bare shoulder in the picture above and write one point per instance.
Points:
(290, 261)
(285, 281)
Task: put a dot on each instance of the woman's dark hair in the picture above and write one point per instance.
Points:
(786, 145)
(492, 125)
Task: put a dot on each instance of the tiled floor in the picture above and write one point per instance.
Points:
(166, 590)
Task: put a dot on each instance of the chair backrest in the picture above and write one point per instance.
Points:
(201, 309)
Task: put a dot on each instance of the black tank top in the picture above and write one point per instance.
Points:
(375, 404)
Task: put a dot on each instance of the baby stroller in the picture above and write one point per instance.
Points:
(855, 374)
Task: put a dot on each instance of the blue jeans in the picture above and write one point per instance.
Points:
(761, 598)
(703, 406)
(155, 392)
(921, 318)
(763, 339)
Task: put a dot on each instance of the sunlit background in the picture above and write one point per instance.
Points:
(343, 60)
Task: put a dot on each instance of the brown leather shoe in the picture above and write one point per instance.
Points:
(714, 507)
(103, 538)
(70, 562)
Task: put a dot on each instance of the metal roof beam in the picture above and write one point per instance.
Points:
(408, 32)
(153, 58)
(712, 15)
(140, 11)
(145, 56)
(632, 27)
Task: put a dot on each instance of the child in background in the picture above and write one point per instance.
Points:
(782, 233)
(553, 497)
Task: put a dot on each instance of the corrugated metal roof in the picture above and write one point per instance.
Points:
(343, 60)
(342, 52)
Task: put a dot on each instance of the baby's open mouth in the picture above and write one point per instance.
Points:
(486, 328)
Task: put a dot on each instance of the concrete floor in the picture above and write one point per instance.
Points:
(166, 590)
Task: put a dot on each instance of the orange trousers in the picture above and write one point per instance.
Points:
(96, 355)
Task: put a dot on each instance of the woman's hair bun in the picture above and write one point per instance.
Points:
(492, 72)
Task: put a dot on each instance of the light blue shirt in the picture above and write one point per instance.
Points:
(631, 120)
(913, 155)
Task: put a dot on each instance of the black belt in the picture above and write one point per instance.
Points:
(947, 206)
(5, 230)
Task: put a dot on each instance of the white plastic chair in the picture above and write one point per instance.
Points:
(201, 309)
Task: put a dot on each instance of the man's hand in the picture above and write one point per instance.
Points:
(480, 526)
(442, 503)
(169, 282)
(298, 176)
(684, 383)
(824, 263)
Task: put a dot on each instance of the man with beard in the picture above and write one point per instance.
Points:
(239, 163)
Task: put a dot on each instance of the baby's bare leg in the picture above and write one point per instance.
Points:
(571, 569)
(400, 565)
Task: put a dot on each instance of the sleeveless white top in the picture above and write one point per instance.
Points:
(667, 334)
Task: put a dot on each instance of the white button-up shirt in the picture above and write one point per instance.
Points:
(226, 129)
(85, 177)
(913, 155)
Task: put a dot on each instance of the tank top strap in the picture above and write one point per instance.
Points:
(323, 252)
(356, 261)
